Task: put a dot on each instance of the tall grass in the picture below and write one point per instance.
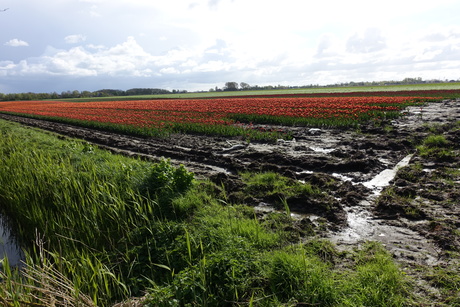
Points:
(110, 227)
(84, 202)
(376, 281)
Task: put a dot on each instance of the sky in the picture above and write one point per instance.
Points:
(61, 45)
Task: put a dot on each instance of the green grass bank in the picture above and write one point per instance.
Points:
(99, 228)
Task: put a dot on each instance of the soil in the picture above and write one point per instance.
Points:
(411, 207)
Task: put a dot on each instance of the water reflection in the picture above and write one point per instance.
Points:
(8, 245)
(382, 180)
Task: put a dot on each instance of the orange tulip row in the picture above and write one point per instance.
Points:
(218, 111)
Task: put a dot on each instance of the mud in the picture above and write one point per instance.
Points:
(377, 184)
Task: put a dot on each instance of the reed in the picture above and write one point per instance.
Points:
(82, 201)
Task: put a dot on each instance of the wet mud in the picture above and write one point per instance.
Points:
(376, 183)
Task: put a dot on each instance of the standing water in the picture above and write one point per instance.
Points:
(383, 179)
(8, 245)
(363, 227)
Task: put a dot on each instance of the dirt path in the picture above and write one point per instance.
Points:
(351, 154)
(416, 217)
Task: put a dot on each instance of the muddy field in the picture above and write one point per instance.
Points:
(378, 185)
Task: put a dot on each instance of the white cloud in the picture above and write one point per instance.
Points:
(212, 66)
(5, 66)
(370, 41)
(329, 45)
(220, 61)
(427, 55)
(214, 41)
(75, 39)
(96, 47)
(127, 59)
(169, 70)
(16, 43)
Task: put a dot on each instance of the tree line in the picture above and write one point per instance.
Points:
(243, 86)
(229, 86)
(87, 94)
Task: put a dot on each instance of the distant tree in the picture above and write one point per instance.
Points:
(411, 80)
(86, 94)
(146, 91)
(66, 94)
(244, 86)
(231, 86)
(108, 92)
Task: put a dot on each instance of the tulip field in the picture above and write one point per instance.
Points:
(199, 212)
(222, 116)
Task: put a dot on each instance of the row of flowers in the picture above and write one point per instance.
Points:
(225, 116)
(207, 111)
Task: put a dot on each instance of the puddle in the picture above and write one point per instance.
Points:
(359, 226)
(403, 242)
(8, 246)
(363, 227)
(322, 150)
(343, 177)
(304, 172)
(264, 208)
(383, 179)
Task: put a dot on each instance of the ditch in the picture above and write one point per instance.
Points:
(9, 247)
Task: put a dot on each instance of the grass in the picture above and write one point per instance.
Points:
(274, 184)
(296, 121)
(435, 141)
(82, 200)
(110, 227)
(448, 281)
(377, 281)
(436, 147)
(315, 90)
